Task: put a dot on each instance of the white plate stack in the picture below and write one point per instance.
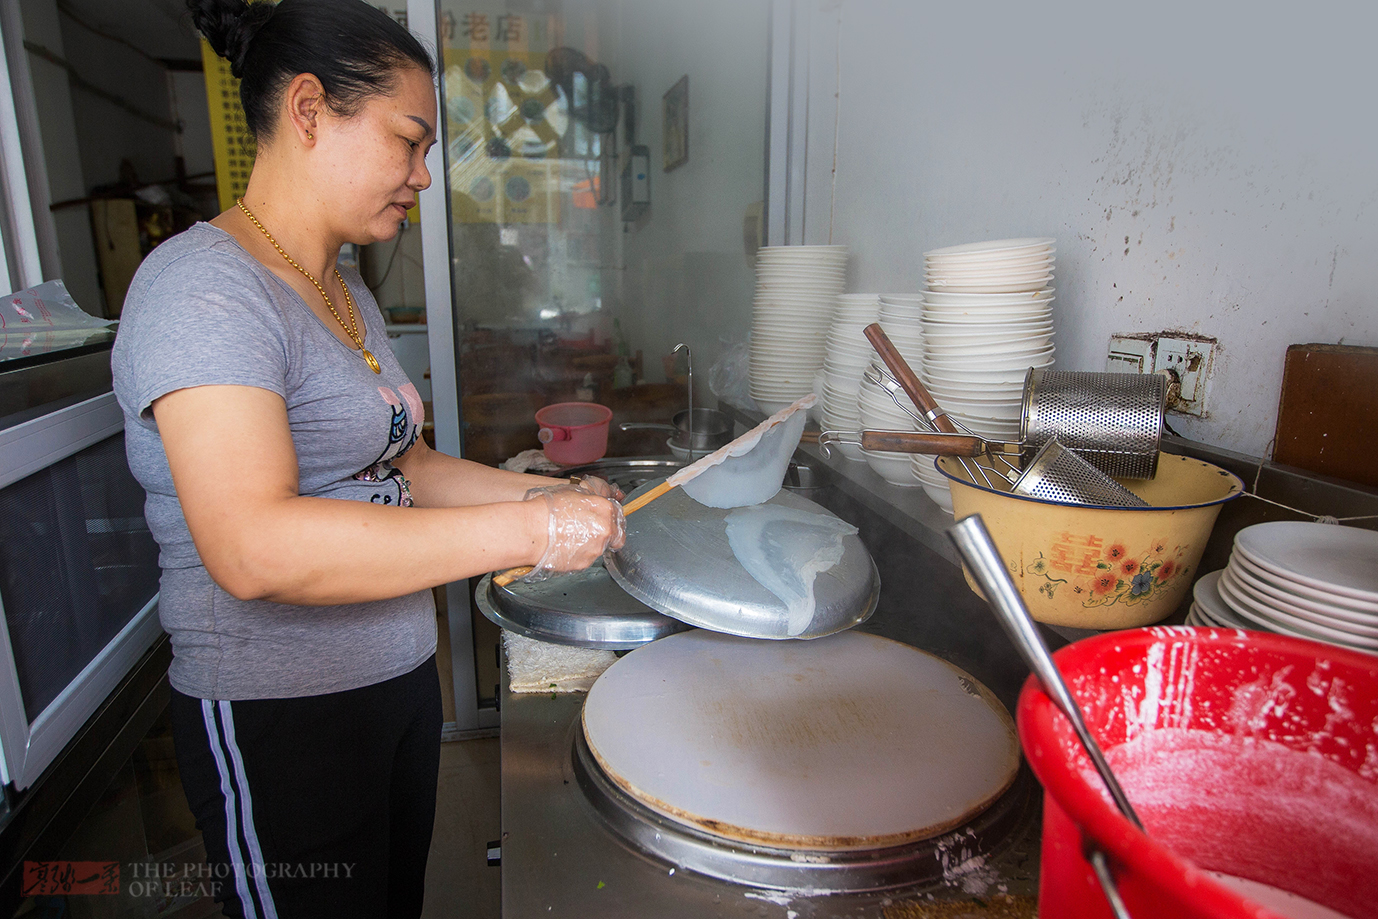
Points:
(987, 318)
(796, 294)
(847, 356)
(1309, 580)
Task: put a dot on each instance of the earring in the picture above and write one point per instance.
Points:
(310, 136)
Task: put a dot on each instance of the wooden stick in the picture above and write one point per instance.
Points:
(921, 442)
(511, 574)
(647, 498)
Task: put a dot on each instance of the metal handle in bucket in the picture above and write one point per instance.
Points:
(978, 551)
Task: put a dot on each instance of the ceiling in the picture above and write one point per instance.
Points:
(159, 28)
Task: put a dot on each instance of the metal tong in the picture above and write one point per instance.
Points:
(933, 420)
(933, 417)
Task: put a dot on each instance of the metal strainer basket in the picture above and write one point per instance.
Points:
(1057, 474)
(1113, 420)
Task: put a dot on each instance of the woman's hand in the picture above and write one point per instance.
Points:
(582, 526)
(596, 486)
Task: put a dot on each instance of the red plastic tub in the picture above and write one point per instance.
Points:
(574, 433)
(1245, 753)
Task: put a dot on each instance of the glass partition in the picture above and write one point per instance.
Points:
(605, 167)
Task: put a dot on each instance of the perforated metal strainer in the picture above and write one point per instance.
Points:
(1112, 420)
(1057, 474)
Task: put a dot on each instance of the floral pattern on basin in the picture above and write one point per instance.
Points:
(1105, 572)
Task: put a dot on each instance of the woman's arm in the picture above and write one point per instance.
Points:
(441, 480)
(235, 470)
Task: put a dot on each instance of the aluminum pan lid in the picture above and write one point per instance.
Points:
(582, 609)
(679, 560)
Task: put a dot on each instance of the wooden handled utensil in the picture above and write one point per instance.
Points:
(909, 442)
(907, 379)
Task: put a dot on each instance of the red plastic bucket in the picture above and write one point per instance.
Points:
(1246, 753)
(574, 433)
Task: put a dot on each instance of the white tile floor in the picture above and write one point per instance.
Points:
(459, 883)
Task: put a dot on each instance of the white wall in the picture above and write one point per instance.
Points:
(1204, 166)
(685, 276)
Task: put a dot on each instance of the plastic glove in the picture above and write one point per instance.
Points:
(596, 486)
(582, 527)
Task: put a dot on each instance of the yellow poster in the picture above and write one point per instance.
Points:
(504, 119)
(234, 146)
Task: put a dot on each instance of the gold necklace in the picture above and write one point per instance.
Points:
(351, 328)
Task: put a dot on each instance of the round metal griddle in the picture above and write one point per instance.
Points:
(726, 750)
(582, 609)
(678, 560)
(948, 857)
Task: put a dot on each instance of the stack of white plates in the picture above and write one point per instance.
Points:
(846, 358)
(1310, 580)
(997, 266)
(987, 318)
(796, 295)
(879, 412)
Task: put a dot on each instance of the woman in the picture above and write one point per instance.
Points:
(301, 520)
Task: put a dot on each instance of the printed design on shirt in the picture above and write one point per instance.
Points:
(408, 414)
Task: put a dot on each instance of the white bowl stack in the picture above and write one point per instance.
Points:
(987, 318)
(796, 295)
(1309, 580)
(846, 358)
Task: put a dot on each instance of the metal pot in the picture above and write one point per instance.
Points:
(712, 429)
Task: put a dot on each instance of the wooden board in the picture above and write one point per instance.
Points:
(115, 223)
(846, 742)
(1328, 415)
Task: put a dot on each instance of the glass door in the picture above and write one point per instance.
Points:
(604, 172)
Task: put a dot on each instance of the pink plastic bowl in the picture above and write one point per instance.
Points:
(574, 433)
(1245, 753)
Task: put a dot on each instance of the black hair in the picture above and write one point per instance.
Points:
(354, 49)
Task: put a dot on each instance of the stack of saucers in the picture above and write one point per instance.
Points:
(847, 356)
(796, 294)
(1310, 580)
(987, 318)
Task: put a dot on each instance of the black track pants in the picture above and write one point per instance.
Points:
(315, 806)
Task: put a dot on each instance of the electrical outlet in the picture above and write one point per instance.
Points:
(1190, 359)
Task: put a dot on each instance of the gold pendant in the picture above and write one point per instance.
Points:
(372, 361)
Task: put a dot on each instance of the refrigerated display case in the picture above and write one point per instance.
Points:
(78, 566)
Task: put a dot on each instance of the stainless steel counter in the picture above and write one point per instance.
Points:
(560, 859)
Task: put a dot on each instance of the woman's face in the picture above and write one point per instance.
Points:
(373, 162)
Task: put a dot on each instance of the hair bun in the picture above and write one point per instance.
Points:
(230, 25)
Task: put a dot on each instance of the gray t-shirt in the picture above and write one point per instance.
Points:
(202, 311)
